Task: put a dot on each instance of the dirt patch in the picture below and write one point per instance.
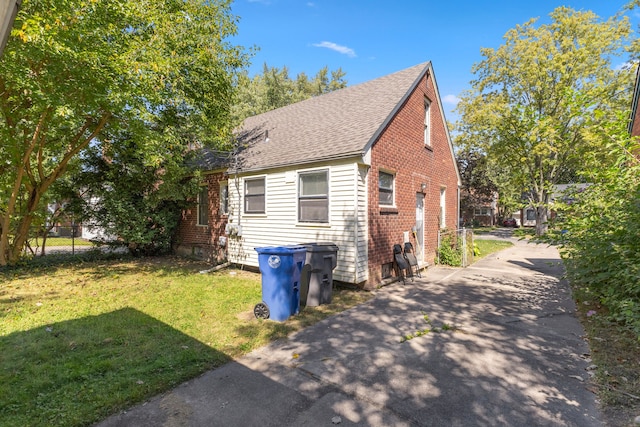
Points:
(615, 353)
(246, 316)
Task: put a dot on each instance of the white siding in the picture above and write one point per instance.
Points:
(362, 260)
(280, 226)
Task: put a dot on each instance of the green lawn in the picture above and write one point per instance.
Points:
(60, 241)
(489, 246)
(81, 342)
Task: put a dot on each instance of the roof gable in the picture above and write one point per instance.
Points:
(336, 125)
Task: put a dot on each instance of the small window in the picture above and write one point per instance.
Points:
(385, 187)
(427, 123)
(531, 214)
(224, 198)
(443, 204)
(203, 206)
(313, 197)
(254, 195)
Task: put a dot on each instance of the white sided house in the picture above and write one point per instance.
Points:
(364, 168)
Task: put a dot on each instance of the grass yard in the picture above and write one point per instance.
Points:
(59, 241)
(489, 246)
(80, 342)
(65, 241)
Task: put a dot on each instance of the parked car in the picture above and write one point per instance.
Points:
(510, 222)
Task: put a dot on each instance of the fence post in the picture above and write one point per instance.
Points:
(464, 247)
(74, 227)
(473, 255)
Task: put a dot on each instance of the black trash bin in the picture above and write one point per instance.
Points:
(317, 274)
(280, 267)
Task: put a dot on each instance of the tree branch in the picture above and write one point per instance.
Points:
(76, 146)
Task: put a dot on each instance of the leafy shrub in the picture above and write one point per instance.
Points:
(449, 253)
(598, 230)
(476, 249)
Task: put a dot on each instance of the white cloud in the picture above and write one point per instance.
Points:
(451, 99)
(340, 49)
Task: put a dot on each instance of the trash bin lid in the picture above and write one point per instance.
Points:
(280, 250)
(320, 247)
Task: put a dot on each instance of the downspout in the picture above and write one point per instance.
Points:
(234, 210)
(356, 223)
(458, 225)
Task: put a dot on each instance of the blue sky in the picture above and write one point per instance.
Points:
(372, 38)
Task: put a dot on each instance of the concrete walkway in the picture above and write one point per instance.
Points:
(503, 348)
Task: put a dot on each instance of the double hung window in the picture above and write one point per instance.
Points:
(385, 188)
(254, 195)
(224, 198)
(313, 196)
(427, 123)
(203, 206)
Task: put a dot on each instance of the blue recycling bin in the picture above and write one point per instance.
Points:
(280, 267)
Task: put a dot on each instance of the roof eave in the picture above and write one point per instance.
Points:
(356, 155)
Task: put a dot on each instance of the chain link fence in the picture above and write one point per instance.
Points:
(455, 247)
(66, 239)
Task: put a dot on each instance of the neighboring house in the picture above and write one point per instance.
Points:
(526, 217)
(478, 213)
(93, 231)
(560, 192)
(58, 223)
(485, 215)
(363, 167)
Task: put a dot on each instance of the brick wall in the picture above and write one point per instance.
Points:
(202, 241)
(401, 150)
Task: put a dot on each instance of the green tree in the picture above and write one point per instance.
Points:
(274, 88)
(478, 189)
(81, 72)
(528, 106)
(128, 197)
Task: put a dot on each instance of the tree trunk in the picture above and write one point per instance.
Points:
(4, 240)
(541, 220)
(22, 231)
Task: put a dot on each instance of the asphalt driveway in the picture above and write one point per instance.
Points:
(496, 343)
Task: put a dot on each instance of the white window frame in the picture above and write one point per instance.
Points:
(391, 190)
(200, 220)
(443, 207)
(427, 123)
(224, 198)
(263, 194)
(313, 197)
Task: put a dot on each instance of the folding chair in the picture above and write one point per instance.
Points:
(400, 262)
(411, 259)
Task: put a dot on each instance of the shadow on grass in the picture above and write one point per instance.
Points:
(79, 371)
(110, 264)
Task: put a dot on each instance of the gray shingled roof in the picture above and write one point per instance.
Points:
(336, 125)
